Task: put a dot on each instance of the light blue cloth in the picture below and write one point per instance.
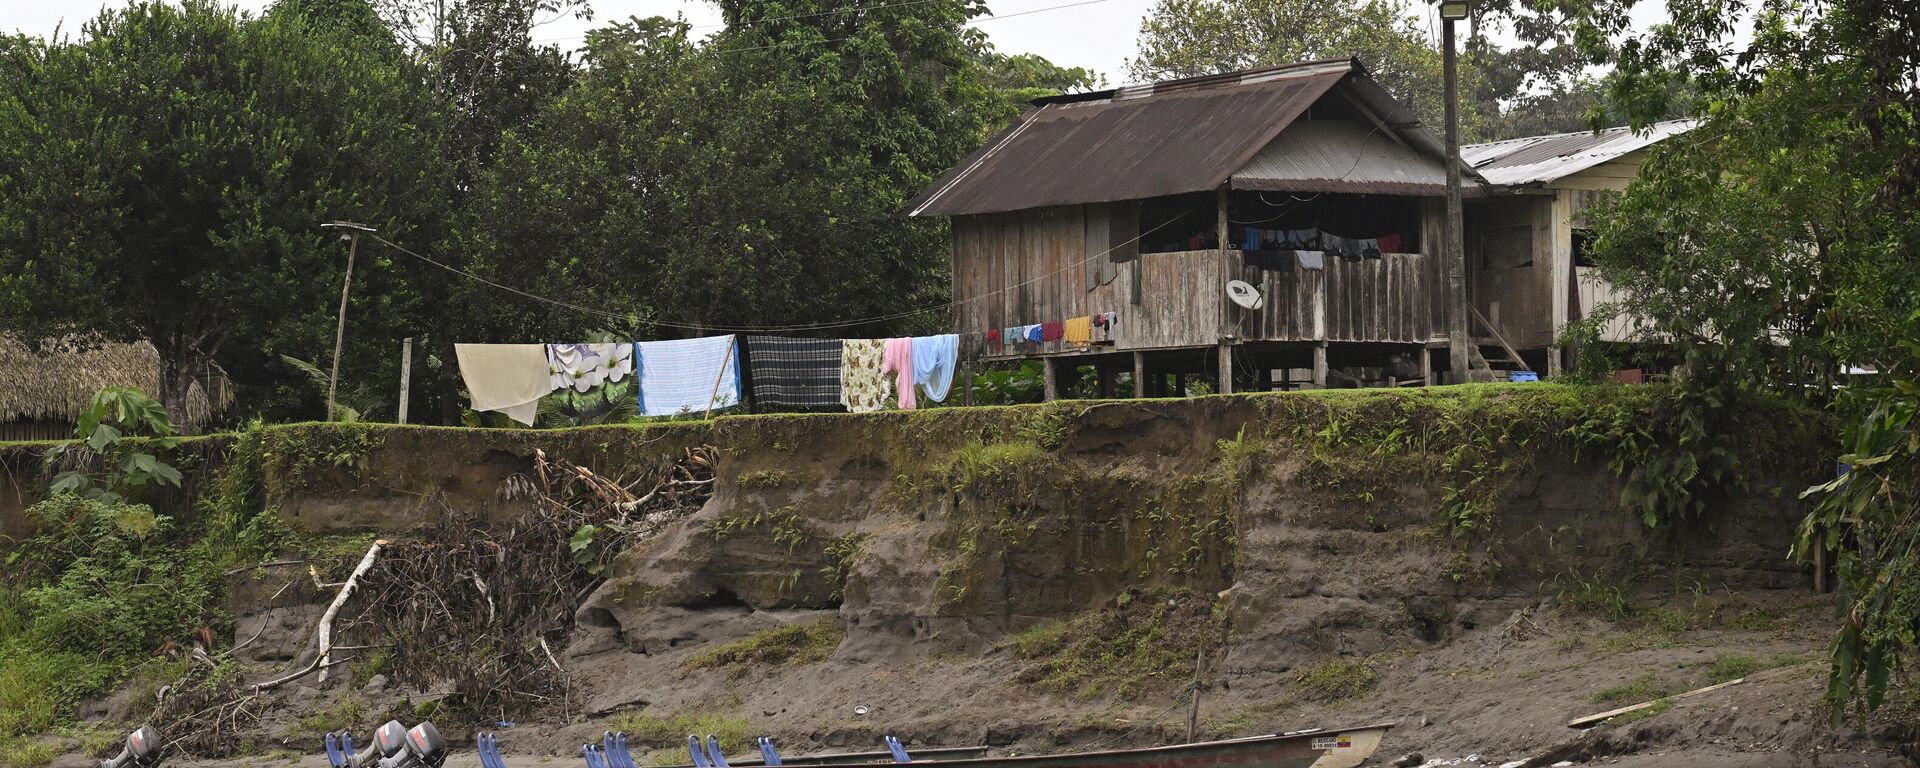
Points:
(687, 375)
(934, 358)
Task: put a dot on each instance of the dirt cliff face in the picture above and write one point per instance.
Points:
(934, 537)
(1049, 575)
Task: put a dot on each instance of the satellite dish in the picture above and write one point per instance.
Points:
(1245, 295)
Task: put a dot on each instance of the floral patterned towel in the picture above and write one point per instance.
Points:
(863, 385)
(592, 383)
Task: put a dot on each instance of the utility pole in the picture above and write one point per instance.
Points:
(350, 232)
(1455, 248)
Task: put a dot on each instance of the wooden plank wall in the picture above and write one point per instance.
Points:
(1395, 298)
(1502, 233)
(1031, 267)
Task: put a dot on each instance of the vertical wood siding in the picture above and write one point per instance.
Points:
(1031, 267)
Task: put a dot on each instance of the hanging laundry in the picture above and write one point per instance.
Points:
(1014, 335)
(1300, 239)
(898, 360)
(590, 381)
(685, 376)
(509, 378)
(582, 367)
(863, 383)
(1052, 331)
(993, 338)
(796, 373)
(1311, 259)
(934, 359)
(1078, 330)
(1032, 333)
(1390, 243)
(1104, 322)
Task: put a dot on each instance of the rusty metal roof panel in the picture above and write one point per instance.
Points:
(1131, 143)
(1542, 159)
(1341, 156)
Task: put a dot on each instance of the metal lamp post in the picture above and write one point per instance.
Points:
(1455, 248)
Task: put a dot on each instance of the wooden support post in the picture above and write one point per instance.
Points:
(1139, 374)
(966, 385)
(1193, 706)
(1554, 364)
(1050, 380)
(1106, 375)
(406, 374)
(1226, 370)
(1320, 365)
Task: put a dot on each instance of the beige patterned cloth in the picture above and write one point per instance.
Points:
(863, 385)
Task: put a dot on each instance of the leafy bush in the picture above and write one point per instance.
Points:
(114, 415)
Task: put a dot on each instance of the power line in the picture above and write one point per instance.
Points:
(765, 328)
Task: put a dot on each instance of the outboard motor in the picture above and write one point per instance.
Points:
(389, 741)
(142, 750)
(425, 747)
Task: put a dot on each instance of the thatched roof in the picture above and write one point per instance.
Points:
(57, 382)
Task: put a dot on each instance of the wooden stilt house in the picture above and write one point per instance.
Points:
(1526, 242)
(1306, 183)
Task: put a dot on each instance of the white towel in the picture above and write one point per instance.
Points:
(1312, 259)
(509, 378)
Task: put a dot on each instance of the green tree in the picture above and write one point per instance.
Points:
(1184, 38)
(1776, 243)
(1023, 77)
(163, 176)
(756, 179)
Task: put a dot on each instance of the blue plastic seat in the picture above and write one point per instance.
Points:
(768, 755)
(899, 752)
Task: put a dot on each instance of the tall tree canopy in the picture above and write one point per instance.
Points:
(164, 175)
(1184, 38)
(1777, 243)
(163, 178)
(1537, 87)
(755, 179)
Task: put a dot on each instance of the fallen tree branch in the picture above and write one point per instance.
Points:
(258, 566)
(304, 671)
(325, 633)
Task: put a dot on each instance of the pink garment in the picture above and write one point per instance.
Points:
(898, 359)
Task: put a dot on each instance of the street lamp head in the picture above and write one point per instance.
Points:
(1453, 10)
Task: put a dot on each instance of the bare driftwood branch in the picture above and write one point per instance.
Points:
(325, 633)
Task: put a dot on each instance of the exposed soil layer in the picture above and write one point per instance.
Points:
(1044, 578)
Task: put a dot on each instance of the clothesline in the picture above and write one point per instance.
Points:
(711, 373)
(767, 329)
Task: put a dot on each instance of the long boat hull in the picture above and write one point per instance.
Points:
(935, 754)
(1342, 748)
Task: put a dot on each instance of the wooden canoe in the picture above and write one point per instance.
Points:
(1318, 748)
(929, 755)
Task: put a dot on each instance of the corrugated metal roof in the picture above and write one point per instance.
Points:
(1341, 156)
(1131, 143)
(1540, 159)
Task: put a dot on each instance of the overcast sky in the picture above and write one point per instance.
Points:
(1098, 35)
